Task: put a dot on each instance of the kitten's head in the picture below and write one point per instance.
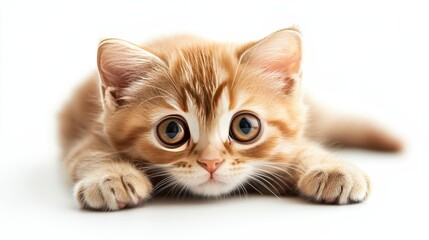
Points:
(213, 116)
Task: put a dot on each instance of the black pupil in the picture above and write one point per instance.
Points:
(172, 130)
(245, 126)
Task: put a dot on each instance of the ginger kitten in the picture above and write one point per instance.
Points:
(184, 114)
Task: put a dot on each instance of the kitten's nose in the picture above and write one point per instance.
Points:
(211, 165)
(210, 159)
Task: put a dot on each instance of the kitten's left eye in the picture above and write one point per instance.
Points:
(245, 127)
(173, 132)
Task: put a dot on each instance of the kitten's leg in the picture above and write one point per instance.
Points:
(103, 180)
(326, 179)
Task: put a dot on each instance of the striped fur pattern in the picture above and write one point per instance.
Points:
(114, 156)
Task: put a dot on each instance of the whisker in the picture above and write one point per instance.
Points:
(181, 190)
(173, 190)
(279, 167)
(162, 185)
(263, 184)
(240, 187)
(293, 166)
(276, 180)
(263, 179)
(159, 186)
(254, 187)
(158, 174)
(245, 193)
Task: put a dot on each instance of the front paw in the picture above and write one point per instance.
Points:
(340, 184)
(112, 189)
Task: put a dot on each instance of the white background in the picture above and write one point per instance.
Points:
(364, 57)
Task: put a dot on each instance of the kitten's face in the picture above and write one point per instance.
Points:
(211, 116)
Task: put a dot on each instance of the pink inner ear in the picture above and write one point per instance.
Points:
(121, 62)
(117, 66)
(287, 60)
(114, 76)
(110, 74)
(287, 67)
(279, 52)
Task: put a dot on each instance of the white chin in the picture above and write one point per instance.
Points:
(212, 188)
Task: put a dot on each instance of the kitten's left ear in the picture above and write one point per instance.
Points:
(121, 63)
(278, 54)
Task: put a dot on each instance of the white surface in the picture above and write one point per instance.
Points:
(365, 57)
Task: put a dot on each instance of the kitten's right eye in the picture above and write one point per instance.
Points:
(173, 132)
(245, 127)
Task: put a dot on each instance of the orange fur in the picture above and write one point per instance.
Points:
(113, 154)
(339, 130)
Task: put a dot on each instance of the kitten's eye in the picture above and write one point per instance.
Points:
(173, 132)
(245, 127)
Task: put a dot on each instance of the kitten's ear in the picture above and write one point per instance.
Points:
(278, 54)
(120, 63)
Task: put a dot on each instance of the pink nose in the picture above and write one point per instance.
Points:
(210, 165)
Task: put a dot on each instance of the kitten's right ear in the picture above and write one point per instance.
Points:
(120, 63)
(278, 54)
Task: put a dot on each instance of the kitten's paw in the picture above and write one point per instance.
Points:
(340, 184)
(113, 190)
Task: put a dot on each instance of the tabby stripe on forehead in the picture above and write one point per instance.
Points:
(230, 67)
(183, 100)
(218, 93)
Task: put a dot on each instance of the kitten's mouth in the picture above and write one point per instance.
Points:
(211, 181)
(212, 185)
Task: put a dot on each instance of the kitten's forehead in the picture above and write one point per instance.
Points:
(203, 73)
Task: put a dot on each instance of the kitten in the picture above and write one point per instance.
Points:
(184, 114)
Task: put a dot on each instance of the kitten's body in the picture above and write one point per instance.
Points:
(108, 134)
